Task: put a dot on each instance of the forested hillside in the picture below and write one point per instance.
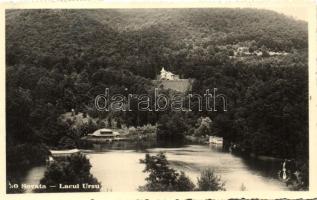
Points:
(142, 40)
(57, 60)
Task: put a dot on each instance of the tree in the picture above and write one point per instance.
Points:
(67, 142)
(171, 128)
(74, 170)
(162, 177)
(208, 181)
(46, 89)
(265, 52)
(184, 183)
(87, 128)
(204, 126)
(52, 73)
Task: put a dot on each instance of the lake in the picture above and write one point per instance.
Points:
(121, 170)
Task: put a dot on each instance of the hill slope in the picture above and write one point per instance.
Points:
(142, 40)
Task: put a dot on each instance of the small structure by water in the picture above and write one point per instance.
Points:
(215, 140)
(61, 154)
(104, 135)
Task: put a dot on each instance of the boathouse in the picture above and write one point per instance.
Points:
(105, 133)
(61, 154)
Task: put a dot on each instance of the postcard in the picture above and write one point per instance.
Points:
(158, 100)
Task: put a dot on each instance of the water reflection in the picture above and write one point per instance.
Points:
(120, 170)
(232, 169)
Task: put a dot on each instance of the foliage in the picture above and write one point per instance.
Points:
(267, 106)
(51, 68)
(171, 129)
(137, 40)
(24, 156)
(204, 127)
(162, 177)
(143, 135)
(299, 178)
(184, 183)
(74, 170)
(208, 181)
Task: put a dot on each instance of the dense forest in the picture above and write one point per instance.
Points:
(57, 60)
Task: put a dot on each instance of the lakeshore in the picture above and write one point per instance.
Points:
(234, 170)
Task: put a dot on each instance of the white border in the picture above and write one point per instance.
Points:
(311, 8)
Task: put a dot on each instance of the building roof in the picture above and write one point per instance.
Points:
(103, 130)
(109, 132)
(66, 151)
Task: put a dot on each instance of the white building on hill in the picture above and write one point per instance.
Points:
(166, 75)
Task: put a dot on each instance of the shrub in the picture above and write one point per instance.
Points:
(208, 181)
(74, 170)
(184, 183)
(162, 177)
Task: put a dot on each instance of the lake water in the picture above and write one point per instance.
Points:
(120, 170)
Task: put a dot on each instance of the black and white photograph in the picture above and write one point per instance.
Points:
(156, 100)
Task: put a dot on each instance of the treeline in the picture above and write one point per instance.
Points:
(267, 107)
(142, 40)
(266, 101)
